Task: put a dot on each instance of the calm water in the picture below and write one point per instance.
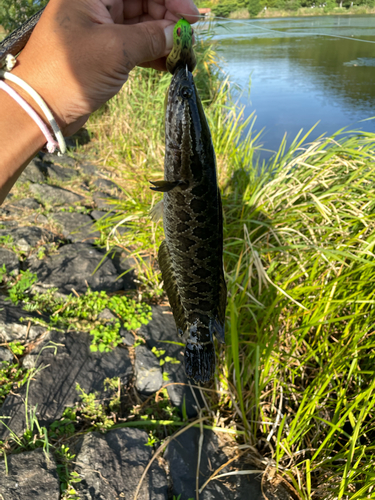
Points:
(299, 78)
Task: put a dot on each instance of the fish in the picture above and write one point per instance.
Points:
(191, 255)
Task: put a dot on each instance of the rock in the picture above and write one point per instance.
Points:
(124, 264)
(103, 201)
(29, 203)
(5, 355)
(162, 327)
(106, 186)
(76, 227)
(54, 388)
(61, 173)
(31, 476)
(60, 160)
(88, 168)
(148, 372)
(34, 172)
(74, 265)
(10, 260)
(127, 337)
(11, 327)
(111, 466)
(26, 237)
(55, 195)
(182, 453)
(99, 214)
(37, 219)
(108, 315)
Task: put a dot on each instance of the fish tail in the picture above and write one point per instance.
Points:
(200, 360)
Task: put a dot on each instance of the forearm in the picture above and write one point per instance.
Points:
(20, 140)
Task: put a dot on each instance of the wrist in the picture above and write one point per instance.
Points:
(20, 140)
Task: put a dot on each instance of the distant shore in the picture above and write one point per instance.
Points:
(303, 12)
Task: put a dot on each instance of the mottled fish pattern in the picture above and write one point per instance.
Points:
(191, 256)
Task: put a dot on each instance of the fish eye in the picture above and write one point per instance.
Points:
(178, 31)
(185, 92)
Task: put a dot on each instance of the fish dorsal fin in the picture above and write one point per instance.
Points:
(165, 186)
(156, 213)
(170, 286)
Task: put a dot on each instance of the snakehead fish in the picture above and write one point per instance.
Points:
(191, 256)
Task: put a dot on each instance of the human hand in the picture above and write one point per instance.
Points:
(81, 51)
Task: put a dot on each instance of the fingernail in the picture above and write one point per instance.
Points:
(168, 31)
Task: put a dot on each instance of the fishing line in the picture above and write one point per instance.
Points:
(243, 21)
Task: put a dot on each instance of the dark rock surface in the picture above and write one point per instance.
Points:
(60, 160)
(31, 476)
(75, 264)
(11, 327)
(182, 453)
(54, 388)
(111, 466)
(10, 260)
(148, 372)
(34, 172)
(28, 203)
(98, 214)
(27, 237)
(102, 201)
(76, 227)
(55, 195)
(127, 337)
(5, 355)
(162, 327)
(88, 168)
(106, 186)
(62, 174)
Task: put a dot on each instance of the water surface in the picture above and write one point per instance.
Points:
(298, 77)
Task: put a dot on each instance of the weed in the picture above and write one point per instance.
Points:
(17, 348)
(20, 287)
(12, 377)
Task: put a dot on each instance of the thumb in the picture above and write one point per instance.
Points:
(148, 41)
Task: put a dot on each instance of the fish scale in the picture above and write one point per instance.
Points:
(190, 257)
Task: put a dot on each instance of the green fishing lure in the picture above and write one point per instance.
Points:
(182, 53)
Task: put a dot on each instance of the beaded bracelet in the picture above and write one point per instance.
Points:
(10, 61)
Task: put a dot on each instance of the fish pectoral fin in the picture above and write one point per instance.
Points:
(156, 213)
(170, 286)
(165, 186)
(220, 320)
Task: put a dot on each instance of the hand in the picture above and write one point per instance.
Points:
(81, 51)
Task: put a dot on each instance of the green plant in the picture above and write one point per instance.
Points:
(12, 377)
(19, 288)
(17, 348)
(64, 459)
(106, 337)
(13, 13)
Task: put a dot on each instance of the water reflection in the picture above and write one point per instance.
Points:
(299, 78)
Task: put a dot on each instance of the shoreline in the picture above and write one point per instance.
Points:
(303, 12)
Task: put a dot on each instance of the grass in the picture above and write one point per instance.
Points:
(296, 378)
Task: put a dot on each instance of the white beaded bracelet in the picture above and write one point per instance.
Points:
(6, 75)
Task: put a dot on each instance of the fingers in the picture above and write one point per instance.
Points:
(147, 41)
(139, 11)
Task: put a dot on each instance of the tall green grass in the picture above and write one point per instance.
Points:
(296, 378)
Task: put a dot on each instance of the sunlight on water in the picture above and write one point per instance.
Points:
(299, 78)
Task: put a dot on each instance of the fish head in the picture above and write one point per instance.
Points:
(182, 91)
(185, 112)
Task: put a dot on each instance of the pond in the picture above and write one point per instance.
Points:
(299, 75)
